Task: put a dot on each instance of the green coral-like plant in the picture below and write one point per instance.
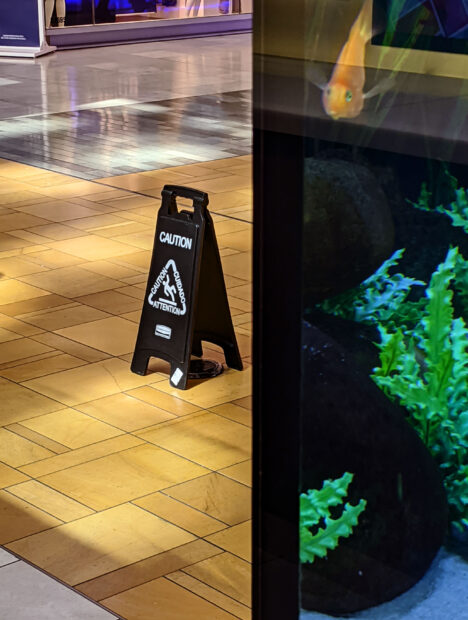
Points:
(424, 348)
(427, 372)
(461, 282)
(381, 299)
(457, 210)
(315, 509)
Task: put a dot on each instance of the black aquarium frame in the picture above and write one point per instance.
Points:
(277, 374)
(278, 157)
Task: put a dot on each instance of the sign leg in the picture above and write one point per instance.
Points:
(140, 362)
(231, 353)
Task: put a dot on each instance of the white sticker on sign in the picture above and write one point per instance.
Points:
(163, 331)
(177, 376)
(167, 293)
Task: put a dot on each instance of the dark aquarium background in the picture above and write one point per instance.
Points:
(362, 157)
(437, 25)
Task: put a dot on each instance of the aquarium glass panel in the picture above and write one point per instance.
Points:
(369, 99)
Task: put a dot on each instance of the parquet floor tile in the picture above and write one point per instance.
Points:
(234, 413)
(242, 472)
(99, 543)
(184, 516)
(111, 270)
(164, 600)
(19, 403)
(10, 476)
(226, 573)
(112, 335)
(18, 519)
(125, 412)
(112, 301)
(81, 455)
(86, 383)
(148, 569)
(15, 266)
(37, 438)
(58, 210)
(210, 594)
(228, 386)
(56, 504)
(217, 496)
(6, 335)
(13, 350)
(205, 438)
(240, 240)
(71, 282)
(92, 247)
(123, 476)
(71, 428)
(16, 450)
(238, 265)
(235, 539)
(167, 402)
(135, 493)
(61, 318)
(70, 346)
(34, 305)
(15, 221)
(12, 290)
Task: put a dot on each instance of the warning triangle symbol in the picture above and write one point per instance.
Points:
(167, 293)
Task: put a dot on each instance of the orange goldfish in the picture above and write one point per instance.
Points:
(343, 96)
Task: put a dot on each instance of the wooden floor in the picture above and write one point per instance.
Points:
(130, 491)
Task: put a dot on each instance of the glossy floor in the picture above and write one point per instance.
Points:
(115, 110)
(134, 493)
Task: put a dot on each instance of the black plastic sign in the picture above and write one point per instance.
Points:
(186, 300)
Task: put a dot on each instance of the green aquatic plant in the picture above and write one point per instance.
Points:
(457, 210)
(461, 282)
(382, 299)
(424, 199)
(423, 358)
(315, 515)
(427, 372)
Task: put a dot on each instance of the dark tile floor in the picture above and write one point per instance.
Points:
(107, 141)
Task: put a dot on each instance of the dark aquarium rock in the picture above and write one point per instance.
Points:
(348, 228)
(349, 425)
(358, 339)
(425, 235)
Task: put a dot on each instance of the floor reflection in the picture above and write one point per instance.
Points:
(109, 111)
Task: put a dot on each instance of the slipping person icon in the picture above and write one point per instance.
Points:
(169, 291)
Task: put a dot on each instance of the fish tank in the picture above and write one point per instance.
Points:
(360, 309)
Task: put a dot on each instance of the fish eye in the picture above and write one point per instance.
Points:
(348, 96)
(328, 91)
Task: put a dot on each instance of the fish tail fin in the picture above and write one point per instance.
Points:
(363, 23)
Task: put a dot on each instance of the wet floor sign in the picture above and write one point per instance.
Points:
(186, 300)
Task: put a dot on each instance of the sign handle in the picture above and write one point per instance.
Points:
(169, 205)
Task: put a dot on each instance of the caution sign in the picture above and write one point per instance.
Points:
(186, 301)
(172, 297)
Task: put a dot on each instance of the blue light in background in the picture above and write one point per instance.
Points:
(77, 6)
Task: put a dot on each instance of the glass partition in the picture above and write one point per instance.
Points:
(361, 392)
(62, 13)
